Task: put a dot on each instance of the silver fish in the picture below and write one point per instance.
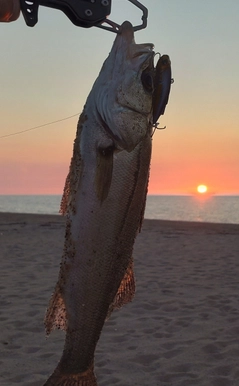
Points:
(104, 200)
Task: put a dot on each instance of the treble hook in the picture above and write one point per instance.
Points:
(155, 127)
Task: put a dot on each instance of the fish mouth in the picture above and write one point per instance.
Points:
(126, 36)
(126, 30)
(125, 44)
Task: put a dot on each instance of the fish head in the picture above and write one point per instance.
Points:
(123, 91)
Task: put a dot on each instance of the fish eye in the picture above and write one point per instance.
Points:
(147, 81)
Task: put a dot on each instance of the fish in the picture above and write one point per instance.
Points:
(104, 203)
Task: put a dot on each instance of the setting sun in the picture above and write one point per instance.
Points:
(202, 188)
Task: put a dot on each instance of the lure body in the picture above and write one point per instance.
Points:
(162, 85)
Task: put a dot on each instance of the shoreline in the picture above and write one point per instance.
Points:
(165, 223)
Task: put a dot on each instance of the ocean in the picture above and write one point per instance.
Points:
(217, 209)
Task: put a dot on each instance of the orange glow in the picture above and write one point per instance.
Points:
(38, 162)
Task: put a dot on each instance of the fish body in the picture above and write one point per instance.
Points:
(162, 85)
(104, 201)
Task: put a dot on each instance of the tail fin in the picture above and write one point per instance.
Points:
(86, 378)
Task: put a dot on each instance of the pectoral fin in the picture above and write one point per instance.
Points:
(104, 172)
(125, 291)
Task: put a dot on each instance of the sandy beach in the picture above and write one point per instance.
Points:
(182, 329)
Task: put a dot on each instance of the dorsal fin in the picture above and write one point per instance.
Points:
(74, 175)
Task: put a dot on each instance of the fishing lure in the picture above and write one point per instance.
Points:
(162, 84)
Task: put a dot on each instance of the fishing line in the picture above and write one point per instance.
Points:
(38, 127)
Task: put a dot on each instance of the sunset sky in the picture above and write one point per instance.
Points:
(47, 72)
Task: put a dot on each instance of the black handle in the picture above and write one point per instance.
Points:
(83, 13)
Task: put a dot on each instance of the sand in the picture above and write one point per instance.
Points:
(181, 329)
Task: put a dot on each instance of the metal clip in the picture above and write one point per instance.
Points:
(114, 27)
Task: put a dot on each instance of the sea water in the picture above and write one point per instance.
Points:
(219, 209)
